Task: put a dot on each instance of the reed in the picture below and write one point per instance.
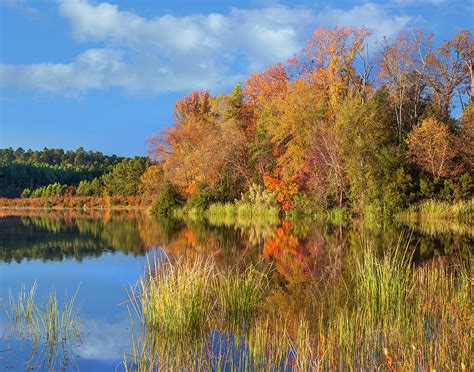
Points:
(384, 314)
(21, 308)
(240, 294)
(53, 329)
(174, 298)
(462, 210)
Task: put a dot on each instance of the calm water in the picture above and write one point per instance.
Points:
(103, 253)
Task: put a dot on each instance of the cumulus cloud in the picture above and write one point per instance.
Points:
(170, 53)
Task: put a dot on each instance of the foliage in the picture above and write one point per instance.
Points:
(20, 169)
(124, 178)
(54, 189)
(90, 188)
(168, 200)
(431, 147)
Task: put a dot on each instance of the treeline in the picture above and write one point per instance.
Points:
(335, 127)
(123, 179)
(20, 169)
(55, 172)
(76, 159)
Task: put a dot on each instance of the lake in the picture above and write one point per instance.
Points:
(100, 254)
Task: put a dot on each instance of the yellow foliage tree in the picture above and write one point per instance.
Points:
(431, 147)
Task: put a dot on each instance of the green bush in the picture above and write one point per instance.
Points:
(168, 200)
(200, 199)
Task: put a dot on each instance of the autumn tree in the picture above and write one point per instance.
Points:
(151, 183)
(431, 147)
(404, 70)
(264, 92)
(329, 59)
(204, 142)
(465, 138)
(363, 135)
(451, 71)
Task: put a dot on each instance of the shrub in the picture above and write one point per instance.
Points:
(168, 200)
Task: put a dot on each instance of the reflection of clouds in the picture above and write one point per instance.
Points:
(103, 340)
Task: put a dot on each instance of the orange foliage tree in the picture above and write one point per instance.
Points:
(285, 189)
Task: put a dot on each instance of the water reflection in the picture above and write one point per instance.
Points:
(105, 251)
(58, 235)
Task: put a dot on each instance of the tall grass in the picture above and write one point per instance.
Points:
(242, 212)
(181, 300)
(21, 310)
(175, 298)
(384, 314)
(462, 210)
(240, 294)
(53, 329)
(58, 324)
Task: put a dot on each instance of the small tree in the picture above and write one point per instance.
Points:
(26, 193)
(168, 200)
(431, 147)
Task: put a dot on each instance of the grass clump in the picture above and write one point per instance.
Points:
(53, 328)
(240, 294)
(183, 299)
(22, 308)
(175, 298)
(383, 285)
(57, 324)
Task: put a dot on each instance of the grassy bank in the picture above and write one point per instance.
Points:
(437, 218)
(239, 213)
(432, 209)
(383, 314)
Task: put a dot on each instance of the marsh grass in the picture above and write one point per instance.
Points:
(242, 213)
(384, 314)
(175, 298)
(52, 328)
(21, 308)
(181, 300)
(462, 210)
(58, 324)
(240, 294)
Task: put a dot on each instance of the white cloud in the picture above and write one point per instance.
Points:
(169, 53)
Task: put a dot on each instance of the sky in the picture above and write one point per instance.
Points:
(105, 75)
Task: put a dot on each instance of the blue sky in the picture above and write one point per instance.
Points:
(104, 75)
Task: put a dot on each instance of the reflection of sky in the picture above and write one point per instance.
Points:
(103, 283)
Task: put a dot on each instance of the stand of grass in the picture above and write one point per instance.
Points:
(386, 314)
(462, 210)
(175, 298)
(58, 324)
(242, 212)
(52, 328)
(21, 312)
(240, 294)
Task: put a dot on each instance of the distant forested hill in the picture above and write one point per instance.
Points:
(21, 169)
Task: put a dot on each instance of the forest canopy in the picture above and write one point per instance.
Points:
(55, 172)
(337, 125)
